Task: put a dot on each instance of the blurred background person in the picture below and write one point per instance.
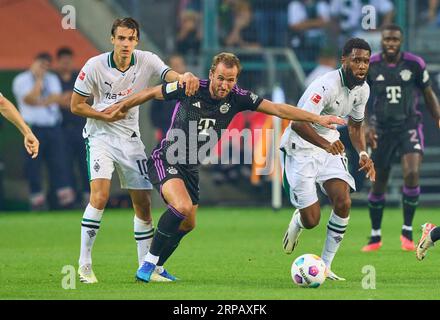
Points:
(189, 36)
(307, 20)
(38, 94)
(72, 126)
(434, 13)
(271, 20)
(327, 61)
(347, 19)
(243, 33)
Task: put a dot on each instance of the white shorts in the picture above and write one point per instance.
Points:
(302, 171)
(127, 156)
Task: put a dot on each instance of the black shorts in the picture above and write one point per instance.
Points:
(393, 144)
(160, 171)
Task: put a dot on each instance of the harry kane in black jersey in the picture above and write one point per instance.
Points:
(173, 164)
(396, 80)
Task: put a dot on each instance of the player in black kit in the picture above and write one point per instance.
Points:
(396, 80)
(173, 164)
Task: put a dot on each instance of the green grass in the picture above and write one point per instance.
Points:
(232, 254)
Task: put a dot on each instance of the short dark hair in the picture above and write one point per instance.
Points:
(355, 43)
(127, 22)
(64, 51)
(44, 56)
(392, 27)
(229, 59)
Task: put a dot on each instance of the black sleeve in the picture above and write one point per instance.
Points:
(246, 100)
(422, 77)
(172, 91)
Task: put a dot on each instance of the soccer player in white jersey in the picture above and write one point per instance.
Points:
(8, 110)
(113, 140)
(313, 154)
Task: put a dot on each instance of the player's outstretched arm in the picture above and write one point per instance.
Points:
(8, 110)
(432, 104)
(139, 98)
(305, 131)
(122, 107)
(80, 107)
(289, 112)
(357, 137)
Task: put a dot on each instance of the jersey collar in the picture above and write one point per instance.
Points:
(112, 64)
(342, 76)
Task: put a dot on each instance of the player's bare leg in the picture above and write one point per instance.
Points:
(180, 206)
(376, 205)
(306, 218)
(99, 194)
(410, 196)
(338, 192)
(143, 226)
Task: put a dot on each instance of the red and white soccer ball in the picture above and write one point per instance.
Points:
(308, 271)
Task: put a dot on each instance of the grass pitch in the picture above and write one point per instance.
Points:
(234, 253)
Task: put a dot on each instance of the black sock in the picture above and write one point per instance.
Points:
(376, 204)
(435, 234)
(167, 227)
(374, 239)
(410, 200)
(171, 245)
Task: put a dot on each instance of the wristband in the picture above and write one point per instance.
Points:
(363, 153)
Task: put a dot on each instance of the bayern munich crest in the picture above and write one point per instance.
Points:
(172, 170)
(405, 74)
(224, 108)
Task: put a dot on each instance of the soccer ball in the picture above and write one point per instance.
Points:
(308, 271)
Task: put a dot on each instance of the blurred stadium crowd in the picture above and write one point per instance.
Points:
(313, 29)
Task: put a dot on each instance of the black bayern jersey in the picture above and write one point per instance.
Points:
(395, 91)
(198, 121)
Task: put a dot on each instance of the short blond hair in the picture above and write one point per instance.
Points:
(228, 59)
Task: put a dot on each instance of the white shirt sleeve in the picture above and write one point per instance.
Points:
(357, 114)
(296, 13)
(316, 97)
(157, 65)
(85, 80)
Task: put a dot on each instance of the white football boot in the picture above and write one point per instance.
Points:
(290, 240)
(332, 276)
(86, 274)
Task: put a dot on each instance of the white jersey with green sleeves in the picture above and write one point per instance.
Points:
(328, 95)
(101, 78)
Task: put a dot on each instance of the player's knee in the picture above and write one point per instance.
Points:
(188, 225)
(311, 221)
(411, 177)
(342, 204)
(99, 199)
(184, 207)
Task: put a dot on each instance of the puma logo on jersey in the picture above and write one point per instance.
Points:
(109, 84)
(197, 104)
